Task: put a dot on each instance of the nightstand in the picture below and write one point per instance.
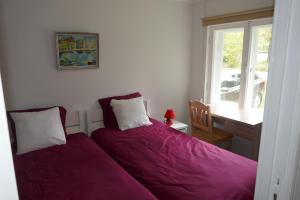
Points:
(180, 126)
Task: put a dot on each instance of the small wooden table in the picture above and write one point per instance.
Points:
(243, 123)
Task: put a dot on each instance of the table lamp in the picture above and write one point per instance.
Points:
(169, 115)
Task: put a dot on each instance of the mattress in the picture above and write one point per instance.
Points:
(78, 170)
(176, 166)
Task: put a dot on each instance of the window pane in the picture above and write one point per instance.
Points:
(228, 50)
(259, 62)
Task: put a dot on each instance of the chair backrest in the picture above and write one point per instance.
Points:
(200, 116)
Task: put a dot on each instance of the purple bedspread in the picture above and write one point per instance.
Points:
(79, 170)
(175, 166)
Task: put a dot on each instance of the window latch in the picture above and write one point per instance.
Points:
(274, 196)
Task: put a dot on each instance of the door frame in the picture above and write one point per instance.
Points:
(280, 132)
(7, 173)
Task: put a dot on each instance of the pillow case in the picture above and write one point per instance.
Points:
(62, 111)
(109, 117)
(130, 113)
(37, 130)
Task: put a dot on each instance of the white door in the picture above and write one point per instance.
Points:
(279, 149)
(8, 188)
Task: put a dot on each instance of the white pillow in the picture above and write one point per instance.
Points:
(130, 113)
(37, 130)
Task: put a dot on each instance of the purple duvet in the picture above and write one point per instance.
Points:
(79, 170)
(175, 166)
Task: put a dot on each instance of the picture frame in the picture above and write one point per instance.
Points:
(77, 50)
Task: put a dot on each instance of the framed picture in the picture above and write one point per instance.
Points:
(77, 50)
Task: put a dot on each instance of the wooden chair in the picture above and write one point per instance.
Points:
(202, 128)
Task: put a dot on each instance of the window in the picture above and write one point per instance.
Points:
(238, 62)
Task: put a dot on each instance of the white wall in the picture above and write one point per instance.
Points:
(144, 46)
(198, 50)
(219, 7)
(147, 46)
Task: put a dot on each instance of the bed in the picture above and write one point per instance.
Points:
(176, 166)
(78, 169)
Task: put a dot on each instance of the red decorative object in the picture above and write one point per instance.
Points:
(170, 115)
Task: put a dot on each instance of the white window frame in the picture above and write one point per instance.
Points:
(210, 86)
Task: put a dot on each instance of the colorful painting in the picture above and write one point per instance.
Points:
(77, 50)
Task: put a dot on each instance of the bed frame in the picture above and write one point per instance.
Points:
(75, 122)
(95, 117)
